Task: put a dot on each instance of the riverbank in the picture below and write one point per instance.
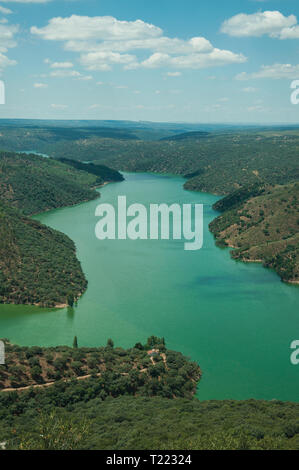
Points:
(204, 303)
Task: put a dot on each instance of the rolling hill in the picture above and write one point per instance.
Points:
(34, 184)
(38, 265)
(262, 226)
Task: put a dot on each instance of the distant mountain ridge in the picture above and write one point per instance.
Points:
(188, 135)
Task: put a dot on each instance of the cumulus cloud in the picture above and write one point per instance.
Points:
(271, 23)
(249, 89)
(275, 71)
(65, 70)
(216, 57)
(40, 85)
(174, 74)
(62, 65)
(104, 60)
(104, 41)
(7, 33)
(99, 27)
(5, 11)
(7, 41)
(5, 61)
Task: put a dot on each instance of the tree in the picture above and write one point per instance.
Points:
(54, 432)
(75, 342)
(70, 299)
(110, 343)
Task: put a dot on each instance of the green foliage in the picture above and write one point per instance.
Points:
(54, 432)
(70, 299)
(117, 371)
(103, 173)
(150, 423)
(35, 184)
(110, 343)
(262, 227)
(38, 264)
(236, 198)
(217, 163)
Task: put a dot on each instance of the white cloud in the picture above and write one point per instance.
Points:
(194, 61)
(40, 85)
(62, 65)
(85, 77)
(104, 41)
(290, 33)
(104, 60)
(271, 23)
(95, 28)
(256, 108)
(59, 106)
(174, 74)
(5, 11)
(64, 73)
(275, 71)
(5, 61)
(7, 33)
(7, 41)
(249, 89)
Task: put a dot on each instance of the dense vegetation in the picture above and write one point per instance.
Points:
(148, 369)
(104, 174)
(263, 225)
(143, 397)
(140, 398)
(38, 265)
(187, 135)
(217, 163)
(34, 184)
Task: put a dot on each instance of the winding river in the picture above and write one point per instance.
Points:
(237, 320)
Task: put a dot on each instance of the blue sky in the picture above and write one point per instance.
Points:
(195, 61)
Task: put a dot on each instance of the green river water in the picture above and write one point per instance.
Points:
(237, 320)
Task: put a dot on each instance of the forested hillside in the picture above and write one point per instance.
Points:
(38, 265)
(262, 224)
(103, 173)
(34, 184)
(139, 398)
(149, 369)
(217, 164)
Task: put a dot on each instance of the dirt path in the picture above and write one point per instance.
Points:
(48, 384)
